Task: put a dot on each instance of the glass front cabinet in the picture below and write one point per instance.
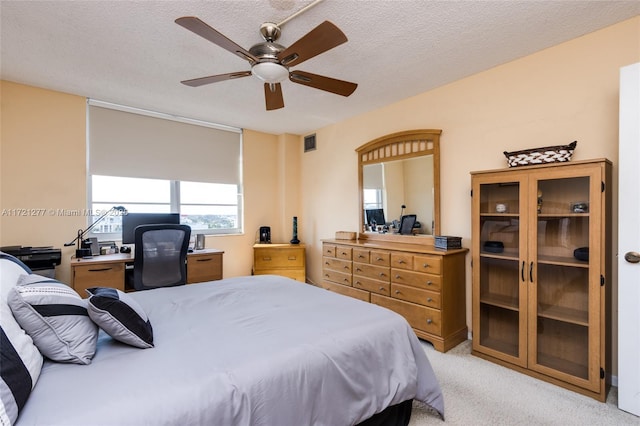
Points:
(541, 271)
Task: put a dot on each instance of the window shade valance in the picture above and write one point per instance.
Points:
(137, 145)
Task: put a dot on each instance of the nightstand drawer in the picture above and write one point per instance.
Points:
(279, 258)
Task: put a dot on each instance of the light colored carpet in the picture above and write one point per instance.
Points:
(478, 392)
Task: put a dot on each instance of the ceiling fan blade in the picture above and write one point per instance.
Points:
(273, 96)
(339, 87)
(196, 82)
(320, 39)
(195, 25)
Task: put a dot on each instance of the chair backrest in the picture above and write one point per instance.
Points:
(160, 256)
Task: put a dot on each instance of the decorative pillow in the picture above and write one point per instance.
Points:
(20, 360)
(120, 316)
(55, 317)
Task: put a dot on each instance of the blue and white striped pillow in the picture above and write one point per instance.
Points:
(55, 317)
(20, 361)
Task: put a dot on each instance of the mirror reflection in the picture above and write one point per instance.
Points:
(399, 180)
(397, 188)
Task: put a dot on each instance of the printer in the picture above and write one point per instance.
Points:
(41, 260)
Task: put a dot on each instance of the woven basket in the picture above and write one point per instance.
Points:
(547, 154)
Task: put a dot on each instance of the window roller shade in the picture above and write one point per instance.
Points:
(135, 145)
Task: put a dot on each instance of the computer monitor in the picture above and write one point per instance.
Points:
(131, 220)
(375, 215)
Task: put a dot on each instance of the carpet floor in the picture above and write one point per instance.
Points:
(478, 392)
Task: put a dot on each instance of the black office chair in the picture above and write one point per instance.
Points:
(160, 256)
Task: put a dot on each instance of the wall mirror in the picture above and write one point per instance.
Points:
(399, 175)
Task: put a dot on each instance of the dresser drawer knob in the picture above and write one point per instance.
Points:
(401, 261)
(397, 291)
(266, 258)
(346, 280)
(360, 256)
(358, 270)
(381, 288)
(429, 299)
(426, 265)
(429, 321)
(382, 274)
(379, 259)
(429, 282)
(398, 277)
(346, 267)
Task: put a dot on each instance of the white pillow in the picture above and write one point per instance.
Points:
(55, 317)
(120, 316)
(21, 360)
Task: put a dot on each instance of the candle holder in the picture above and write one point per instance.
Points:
(295, 239)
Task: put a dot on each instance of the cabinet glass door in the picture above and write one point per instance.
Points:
(501, 311)
(559, 276)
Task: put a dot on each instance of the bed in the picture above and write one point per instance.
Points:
(261, 350)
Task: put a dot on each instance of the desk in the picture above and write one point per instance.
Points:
(109, 270)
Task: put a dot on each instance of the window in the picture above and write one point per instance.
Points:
(372, 199)
(148, 162)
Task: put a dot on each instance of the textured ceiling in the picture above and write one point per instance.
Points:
(132, 52)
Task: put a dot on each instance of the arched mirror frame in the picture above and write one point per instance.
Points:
(398, 146)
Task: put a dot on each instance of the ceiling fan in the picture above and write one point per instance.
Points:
(271, 61)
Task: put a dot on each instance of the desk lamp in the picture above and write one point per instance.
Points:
(82, 251)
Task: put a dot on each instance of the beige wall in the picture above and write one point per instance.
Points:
(43, 167)
(561, 94)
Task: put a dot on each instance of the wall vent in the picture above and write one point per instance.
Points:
(310, 143)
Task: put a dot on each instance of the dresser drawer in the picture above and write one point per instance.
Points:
(343, 252)
(374, 286)
(329, 250)
(380, 258)
(419, 317)
(346, 291)
(265, 258)
(381, 273)
(407, 293)
(337, 277)
(338, 265)
(428, 264)
(402, 260)
(98, 275)
(416, 279)
(361, 255)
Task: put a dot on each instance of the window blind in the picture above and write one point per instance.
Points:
(132, 144)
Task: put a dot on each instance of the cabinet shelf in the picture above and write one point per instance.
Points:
(566, 366)
(559, 313)
(500, 300)
(562, 261)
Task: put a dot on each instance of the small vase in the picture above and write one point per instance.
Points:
(295, 239)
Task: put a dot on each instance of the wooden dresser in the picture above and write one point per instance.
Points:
(287, 260)
(423, 284)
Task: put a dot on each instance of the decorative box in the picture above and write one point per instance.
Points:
(345, 235)
(447, 242)
(544, 155)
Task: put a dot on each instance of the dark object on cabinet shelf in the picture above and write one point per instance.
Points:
(160, 256)
(493, 246)
(581, 253)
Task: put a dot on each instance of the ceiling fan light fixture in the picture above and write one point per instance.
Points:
(270, 72)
